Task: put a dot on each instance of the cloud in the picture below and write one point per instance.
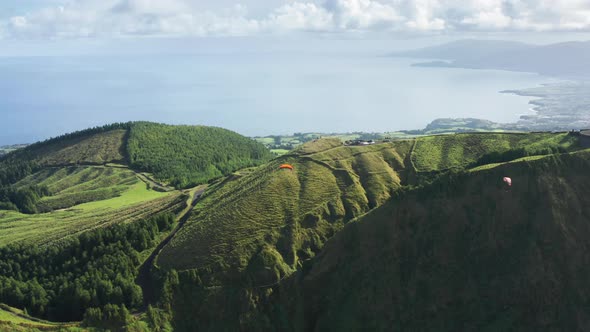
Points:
(112, 18)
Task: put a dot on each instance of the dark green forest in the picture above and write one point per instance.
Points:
(94, 270)
(189, 155)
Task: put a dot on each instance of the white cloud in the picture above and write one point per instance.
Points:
(299, 16)
(83, 18)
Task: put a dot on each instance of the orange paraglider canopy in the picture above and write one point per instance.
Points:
(287, 166)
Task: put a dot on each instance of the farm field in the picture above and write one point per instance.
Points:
(134, 203)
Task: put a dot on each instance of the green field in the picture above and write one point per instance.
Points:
(134, 203)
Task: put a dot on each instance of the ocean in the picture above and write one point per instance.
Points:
(254, 92)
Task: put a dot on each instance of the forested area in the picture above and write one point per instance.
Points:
(94, 270)
(23, 200)
(190, 155)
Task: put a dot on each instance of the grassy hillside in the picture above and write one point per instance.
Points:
(288, 213)
(70, 186)
(99, 148)
(443, 152)
(257, 230)
(191, 155)
(254, 233)
(464, 253)
(92, 146)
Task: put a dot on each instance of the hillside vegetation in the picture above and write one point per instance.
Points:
(76, 223)
(70, 186)
(458, 151)
(462, 254)
(255, 231)
(190, 155)
(181, 155)
(267, 248)
(291, 213)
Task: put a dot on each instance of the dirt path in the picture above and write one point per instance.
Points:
(144, 276)
(153, 184)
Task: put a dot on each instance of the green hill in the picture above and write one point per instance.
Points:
(464, 253)
(83, 233)
(77, 223)
(255, 231)
(284, 213)
(331, 184)
(181, 155)
(189, 155)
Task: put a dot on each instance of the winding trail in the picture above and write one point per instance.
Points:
(153, 184)
(144, 276)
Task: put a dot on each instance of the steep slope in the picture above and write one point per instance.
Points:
(286, 214)
(463, 254)
(253, 232)
(91, 146)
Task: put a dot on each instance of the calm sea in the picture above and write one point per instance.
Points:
(253, 93)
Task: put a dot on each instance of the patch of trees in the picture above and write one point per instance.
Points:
(12, 170)
(22, 199)
(189, 155)
(111, 317)
(94, 270)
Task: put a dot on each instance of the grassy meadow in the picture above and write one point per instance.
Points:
(134, 203)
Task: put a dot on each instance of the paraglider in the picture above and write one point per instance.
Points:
(508, 181)
(286, 166)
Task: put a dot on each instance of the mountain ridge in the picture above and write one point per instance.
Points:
(565, 60)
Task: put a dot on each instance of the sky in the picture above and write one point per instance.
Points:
(244, 27)
(88, 19)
